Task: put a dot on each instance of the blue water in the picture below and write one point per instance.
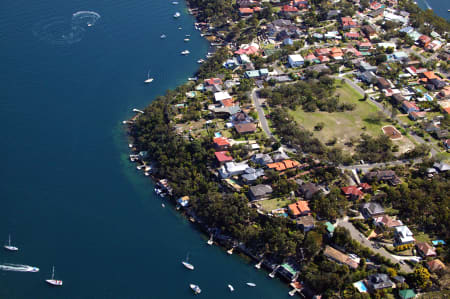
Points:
(440, 7)
(68, 194)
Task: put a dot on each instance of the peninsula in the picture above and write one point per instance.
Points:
(314, 140)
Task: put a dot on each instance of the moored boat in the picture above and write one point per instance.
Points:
(163, 36)
(10, 247)
(231, 288)
(187, 264)
(195, 288)
(251, 284)
(53, 281)
(177, 15)
(185, 52)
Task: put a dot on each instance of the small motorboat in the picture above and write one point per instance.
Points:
(179, 28)
(187, 264)
(195, 288)
(185, 52)
(174, 2)
(231, 288)
(251, 284)
(177, 15)
(200, 61)
(163, 36)
(188, 35)
(186, 40)
(53, 281)
(163, 205)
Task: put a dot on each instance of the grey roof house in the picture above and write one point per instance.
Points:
(260, 191)
(371, 209)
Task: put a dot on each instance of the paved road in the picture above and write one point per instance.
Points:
(356, 235)
(261, 115)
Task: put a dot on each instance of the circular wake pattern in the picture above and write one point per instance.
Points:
(65, 31)
(58, 31)
(85, 18)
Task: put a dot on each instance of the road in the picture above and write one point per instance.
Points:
(261, 116)
(356, 235)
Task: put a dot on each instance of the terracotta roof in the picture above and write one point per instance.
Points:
(352, 190)
(221, 141)
(223, 156)
(245, 128)
(365, 186)
(299, 208)
(340, 257)
(288, 8)
(283, 165)
(228, 102)
(245, 10)
(426, 249)
(435, 265)
(387, 221)
(409, 105)
(430, 75)
(213, 81)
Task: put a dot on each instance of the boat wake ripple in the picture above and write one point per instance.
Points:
(18, 268)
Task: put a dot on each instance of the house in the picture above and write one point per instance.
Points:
(385, 221)
(352, 192)
(364, 46)
(433, 46)
(241, 118)
(311, 58)
(403, 235)
(330, 228)
(221, 95)
(260, 192)
(280, 156)
(183, 201)
(232, 168)
(416, 115)
(223, 156)
(245, 11)
(425, 249)
(308, 190)
(283, 165)
(245, 128)
(367, 67)
(369, 31)
(435, 265)
(221, 143)
(306, 223)
(407, 294)
(424, 40)
(352, 35)
(398, 98)
(262, 159)
(323, 58)
(347, 23)
(289, 10)
(379, 281)
(376, 13)
(409, 107)
(257, 74)
(250, 49)
(369, 77)
(382, 175)
(366, 188)
(372, 209)
(299, 208)
(441, 166)
(250, 174)
(332, 14)
(296, 60)
(383, 83)
(339, 257)
(213, 82)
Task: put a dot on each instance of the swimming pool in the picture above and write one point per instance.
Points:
(360, 286)
(218, 134)
(428, 97)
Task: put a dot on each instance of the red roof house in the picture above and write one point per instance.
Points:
(300, 208)
(352, 192)
(221, 143)
(223, 156)
(213, 81)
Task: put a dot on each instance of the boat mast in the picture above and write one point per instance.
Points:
(9, 240)
(53, 272)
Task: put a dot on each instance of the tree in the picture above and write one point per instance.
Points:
(421, 277)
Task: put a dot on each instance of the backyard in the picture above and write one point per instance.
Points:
(275, 203)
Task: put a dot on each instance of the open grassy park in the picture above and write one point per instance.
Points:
(343, 125)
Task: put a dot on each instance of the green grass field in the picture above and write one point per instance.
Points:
(343, 125)
(275, 203)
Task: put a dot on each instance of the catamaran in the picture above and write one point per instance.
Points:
(195, 288)
(53, 281)
(177, 15)
(149, 80)
(9, 247)
(187, 264)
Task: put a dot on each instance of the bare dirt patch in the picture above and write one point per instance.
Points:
(392, 132)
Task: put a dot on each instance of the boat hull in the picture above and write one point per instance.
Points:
(54, 282)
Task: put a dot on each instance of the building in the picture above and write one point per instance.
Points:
(406, 294)
(409, 107)
(382, 175)
(221, 95)
(425, 249)
(435, 265)
(352, 192)
(385, 221)
(246, 128)
(223, 156)
(306, 223)
(260, 192)
(403, 235)
(262, 159)
(232, 168)
(283, 165)
(296, 60)
(379, 281)
(221, 143)
(372, 209)
(308, 190)
(383, 83)
(339, 257)
(299, 208)
(250, 174)
(348, 23)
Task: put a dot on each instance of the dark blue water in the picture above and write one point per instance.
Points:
(68, 195)
(440, 7)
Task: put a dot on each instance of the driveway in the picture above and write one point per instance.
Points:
(261, 115)
(356, 235)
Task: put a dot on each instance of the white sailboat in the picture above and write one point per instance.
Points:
(185, 52)
(187, 264)
(195, 288)
(231, 288)
(53, 281)
(251, 284)
(10, 247)
(149, 80)
(177, 15)
(210, 241)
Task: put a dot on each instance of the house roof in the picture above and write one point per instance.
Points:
(260, 190)
(221, 95)
(221, 141)
(339, 257)
(430, 75)
(435, 265)
(406, 294)
(387, 221)
(288, 8)
(213, 81)
(299, 207)
(410, 105)
(306, 221)
(426, 249)
(245, 128)
(373, 208)
(352, 190)
(283, 165)
(223, 156)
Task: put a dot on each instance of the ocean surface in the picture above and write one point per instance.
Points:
(440, 7)
(68, 195)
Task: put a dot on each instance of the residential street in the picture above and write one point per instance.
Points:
(261, 115)
(356, 235)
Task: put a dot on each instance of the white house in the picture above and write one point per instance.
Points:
(403, 235)
(221, 95)
(296, 60)
(232, 168)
